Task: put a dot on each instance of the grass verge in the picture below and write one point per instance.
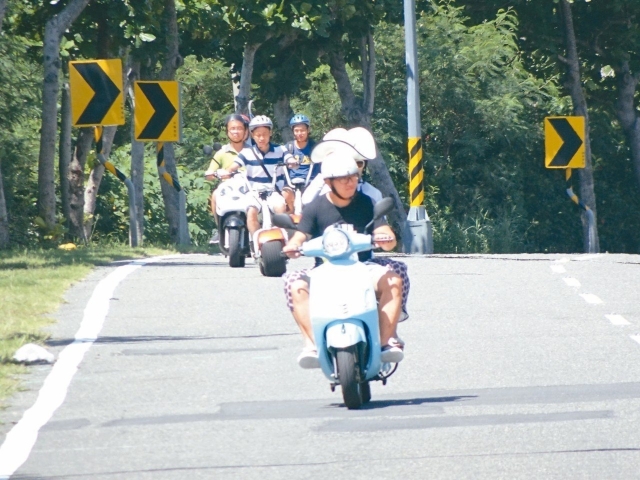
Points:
(32, 284)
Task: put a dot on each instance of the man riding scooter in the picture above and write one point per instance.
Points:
(237, 127)
(362, 140)
(344, 204)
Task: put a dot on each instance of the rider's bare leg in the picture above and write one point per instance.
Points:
(389, 289)
(252, 221)
(213, 209)
(280, 209)
(289, 197)
(300, 298)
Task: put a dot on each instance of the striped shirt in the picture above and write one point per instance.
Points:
(252, 159)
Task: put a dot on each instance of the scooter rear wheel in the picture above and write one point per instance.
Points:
(348, 375)
(236, 257)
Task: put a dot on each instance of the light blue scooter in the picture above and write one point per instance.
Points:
(344, 310)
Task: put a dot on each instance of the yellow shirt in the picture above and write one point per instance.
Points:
(223, 158)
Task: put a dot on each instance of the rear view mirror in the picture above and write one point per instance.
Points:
(383, 207)
(380, 209)
(207, 150)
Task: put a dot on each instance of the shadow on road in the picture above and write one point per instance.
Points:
(60, 342)
(378, 404)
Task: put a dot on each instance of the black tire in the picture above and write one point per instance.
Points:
(348, 375)
(273, 263)
(365, 392)
(236, 257)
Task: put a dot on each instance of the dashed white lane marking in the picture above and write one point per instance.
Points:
(635, 337)
(22, 437)
(558, 269)
(617, 320)
(572, 282)
(591, 298)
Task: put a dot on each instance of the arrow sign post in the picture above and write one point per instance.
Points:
(96, 92)
(564, 148)
(564, 142)
(157, 112)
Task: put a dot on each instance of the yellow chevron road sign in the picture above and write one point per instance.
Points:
(96, 92)
(564, 142)
(157, 112)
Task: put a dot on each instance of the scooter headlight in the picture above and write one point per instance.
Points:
(335, 242)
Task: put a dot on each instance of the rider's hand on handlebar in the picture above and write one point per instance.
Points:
(293, 164)
(382, 238)
(291, 251)
(222, 173)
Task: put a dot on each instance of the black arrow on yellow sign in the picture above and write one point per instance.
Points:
(106, 93)
(571, 142)
(164, 111)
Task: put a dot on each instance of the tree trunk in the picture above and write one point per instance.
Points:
(573, 84)
(171, 62)
(4, 219)
(95, 178)
(64, 153)
(244, 90)
(75, 182)
(282, 114)
(626, 111)
(53, 31)
(3, 9)
(358, 113)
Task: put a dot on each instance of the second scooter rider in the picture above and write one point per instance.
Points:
(261, 163)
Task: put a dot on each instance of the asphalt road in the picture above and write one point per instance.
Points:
(516, 367)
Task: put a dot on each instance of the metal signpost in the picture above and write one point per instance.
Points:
(564, 148)
(97, 100)
(418, 233)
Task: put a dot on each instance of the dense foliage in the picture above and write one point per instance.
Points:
(485, 90)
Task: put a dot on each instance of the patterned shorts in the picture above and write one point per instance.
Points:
(399, 268)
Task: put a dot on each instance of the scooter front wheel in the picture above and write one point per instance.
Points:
(348, 374)
(236, 257)
(365, 391)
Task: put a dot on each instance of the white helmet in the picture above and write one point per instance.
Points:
(339, 162)
(260, 121)
(358, 140)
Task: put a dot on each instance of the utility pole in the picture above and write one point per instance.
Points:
(418, 233)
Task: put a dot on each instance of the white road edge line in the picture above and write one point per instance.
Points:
(617, 320)
(591, 298)
(22, 437)
(585, 258)
(558, 269)
(572, 282)
(635, 337)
